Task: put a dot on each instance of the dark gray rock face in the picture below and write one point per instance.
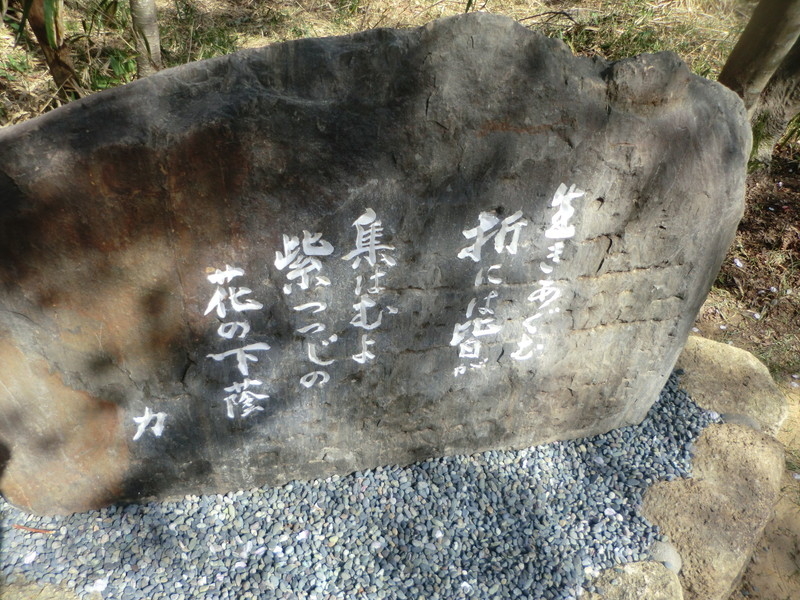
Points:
(330, 254)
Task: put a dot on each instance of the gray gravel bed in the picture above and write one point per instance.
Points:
(538, 523)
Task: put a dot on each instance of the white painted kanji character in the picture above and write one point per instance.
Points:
(217, 303)
(459, 370)
(240, 386)
(245, 400)
(318, 378)
(368, 235)
(312, 356)
(479, 279)
(301, 265)
(242, 356)
(556, 250)
(144, 421)
(546, 294)
(313, 328)
(314, 245)
(330, 340)
(471, 307)
(528, 323)
(512, 225)
(221, 294)
(314, 307)
(460, 332)
(365, 355)
(243, 397)
(301, 269)
(486, 309)
(485, 222)
(526, 348)
(481, 327)
(235, 293)
(291, 250)
(225, 277)
(361, 320)
(470, 348)
(228, 330)
(376, 277)
(559, 223)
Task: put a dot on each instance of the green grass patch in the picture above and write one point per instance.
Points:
(15, 66)
(793, 460)
(117, 67)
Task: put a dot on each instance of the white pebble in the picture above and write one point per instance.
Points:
(98, 586)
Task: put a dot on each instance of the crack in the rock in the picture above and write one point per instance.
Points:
(175, 265)
(618, 323)
(19, 314)
(189, 364)
(633, 271)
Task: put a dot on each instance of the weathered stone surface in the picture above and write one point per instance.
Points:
(637, 581)
(32, 591)
(716, 518)
(732, 382)
(666, 554)
(120, 213)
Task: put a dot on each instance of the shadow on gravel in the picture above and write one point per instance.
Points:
(5, 456)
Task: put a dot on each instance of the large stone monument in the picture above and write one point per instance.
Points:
(329, 254)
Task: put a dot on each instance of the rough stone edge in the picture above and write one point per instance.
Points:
(37, 591)
(707, 497)
(733, 383)
(648, 580)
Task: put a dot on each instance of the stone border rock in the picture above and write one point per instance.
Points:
(716, 519)
(733, 383)
(636, 581)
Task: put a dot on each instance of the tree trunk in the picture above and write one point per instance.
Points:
(778, 104)
(58, 58)
(148, 40)
(765, 42)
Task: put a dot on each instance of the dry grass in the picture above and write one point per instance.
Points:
(26, 89)
(701, 31)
